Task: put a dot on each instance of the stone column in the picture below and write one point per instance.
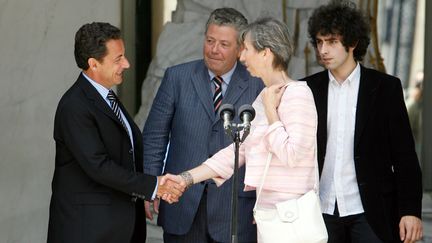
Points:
(127, 89)
(426, 156)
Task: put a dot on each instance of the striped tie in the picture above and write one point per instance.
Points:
(115, 107)
(217, 97)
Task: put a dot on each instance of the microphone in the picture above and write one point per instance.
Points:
(247, 114)
(226, 113)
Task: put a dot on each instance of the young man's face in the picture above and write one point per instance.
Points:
(333, 54)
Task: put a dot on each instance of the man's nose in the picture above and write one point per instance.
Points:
(126, 63)
(215, 48)
(323, 49)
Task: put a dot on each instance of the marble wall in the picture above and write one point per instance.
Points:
(36, 67)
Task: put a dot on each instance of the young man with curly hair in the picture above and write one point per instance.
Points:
(371, 182)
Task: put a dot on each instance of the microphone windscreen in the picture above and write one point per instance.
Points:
(249, 109)
(226, 108)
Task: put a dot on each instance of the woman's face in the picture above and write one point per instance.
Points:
(251, 58)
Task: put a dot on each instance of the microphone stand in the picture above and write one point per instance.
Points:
(226, 112)
(235, 135)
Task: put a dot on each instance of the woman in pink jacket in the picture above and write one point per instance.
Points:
(285, 123)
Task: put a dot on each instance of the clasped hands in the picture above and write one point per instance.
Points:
(171, 187)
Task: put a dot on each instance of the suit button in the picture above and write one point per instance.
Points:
(210, 155)
(131, 151)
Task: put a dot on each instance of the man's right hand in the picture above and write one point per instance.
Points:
(170, 188)
(147, 205)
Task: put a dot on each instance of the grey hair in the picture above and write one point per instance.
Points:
(271, 33)
(227, 17)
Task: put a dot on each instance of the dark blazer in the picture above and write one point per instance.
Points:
(387, 168)
(94, 178)
(182, 114)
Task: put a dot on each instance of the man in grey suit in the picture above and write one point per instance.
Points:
(184, 114)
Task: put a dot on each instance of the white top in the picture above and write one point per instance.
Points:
(292, 141)
(338, 178)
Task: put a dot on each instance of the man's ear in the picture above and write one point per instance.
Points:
(93, 63)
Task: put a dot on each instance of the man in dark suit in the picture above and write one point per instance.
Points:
(98, 185)
(370, 186)
(184, 115)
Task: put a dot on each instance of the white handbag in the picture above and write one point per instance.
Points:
(293, 221)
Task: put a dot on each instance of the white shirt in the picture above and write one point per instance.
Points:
(338, 178)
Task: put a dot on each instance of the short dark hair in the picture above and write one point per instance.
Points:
(227, 17)
(90, 42)
(344, 19)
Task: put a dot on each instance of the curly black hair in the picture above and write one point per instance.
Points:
(90, 42)
(343, 19)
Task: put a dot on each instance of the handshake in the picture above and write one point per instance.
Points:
(171, 187)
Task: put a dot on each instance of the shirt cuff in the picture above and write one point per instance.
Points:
(156, 189)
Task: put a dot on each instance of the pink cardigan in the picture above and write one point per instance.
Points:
(292, 140)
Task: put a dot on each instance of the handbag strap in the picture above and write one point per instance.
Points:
(269, 157)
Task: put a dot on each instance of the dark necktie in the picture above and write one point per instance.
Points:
(217, 97)
(115, 107)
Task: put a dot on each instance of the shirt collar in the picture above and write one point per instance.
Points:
(101, 89)
(354, 76)
(226, 77)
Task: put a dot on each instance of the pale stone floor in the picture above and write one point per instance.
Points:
(154, 233)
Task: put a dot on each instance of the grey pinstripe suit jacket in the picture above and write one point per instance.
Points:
(182, 114)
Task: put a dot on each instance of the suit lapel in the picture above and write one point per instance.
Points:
(129, 120)
(201, 83)
(236, 87)
(136, 137)
(94, 97)
(320, 90)
(365, 102)
(322, 102)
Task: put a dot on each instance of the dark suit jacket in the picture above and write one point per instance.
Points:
(387, 168)
(94, 177)
(182, 114)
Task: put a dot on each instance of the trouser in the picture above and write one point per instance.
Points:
(349, 229)
(199, 229)
(140, 230)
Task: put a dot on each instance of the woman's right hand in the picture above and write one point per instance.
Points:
(271, 99)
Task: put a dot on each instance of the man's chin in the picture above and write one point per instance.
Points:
(212, 62)
(213, 68)
(118, 81)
